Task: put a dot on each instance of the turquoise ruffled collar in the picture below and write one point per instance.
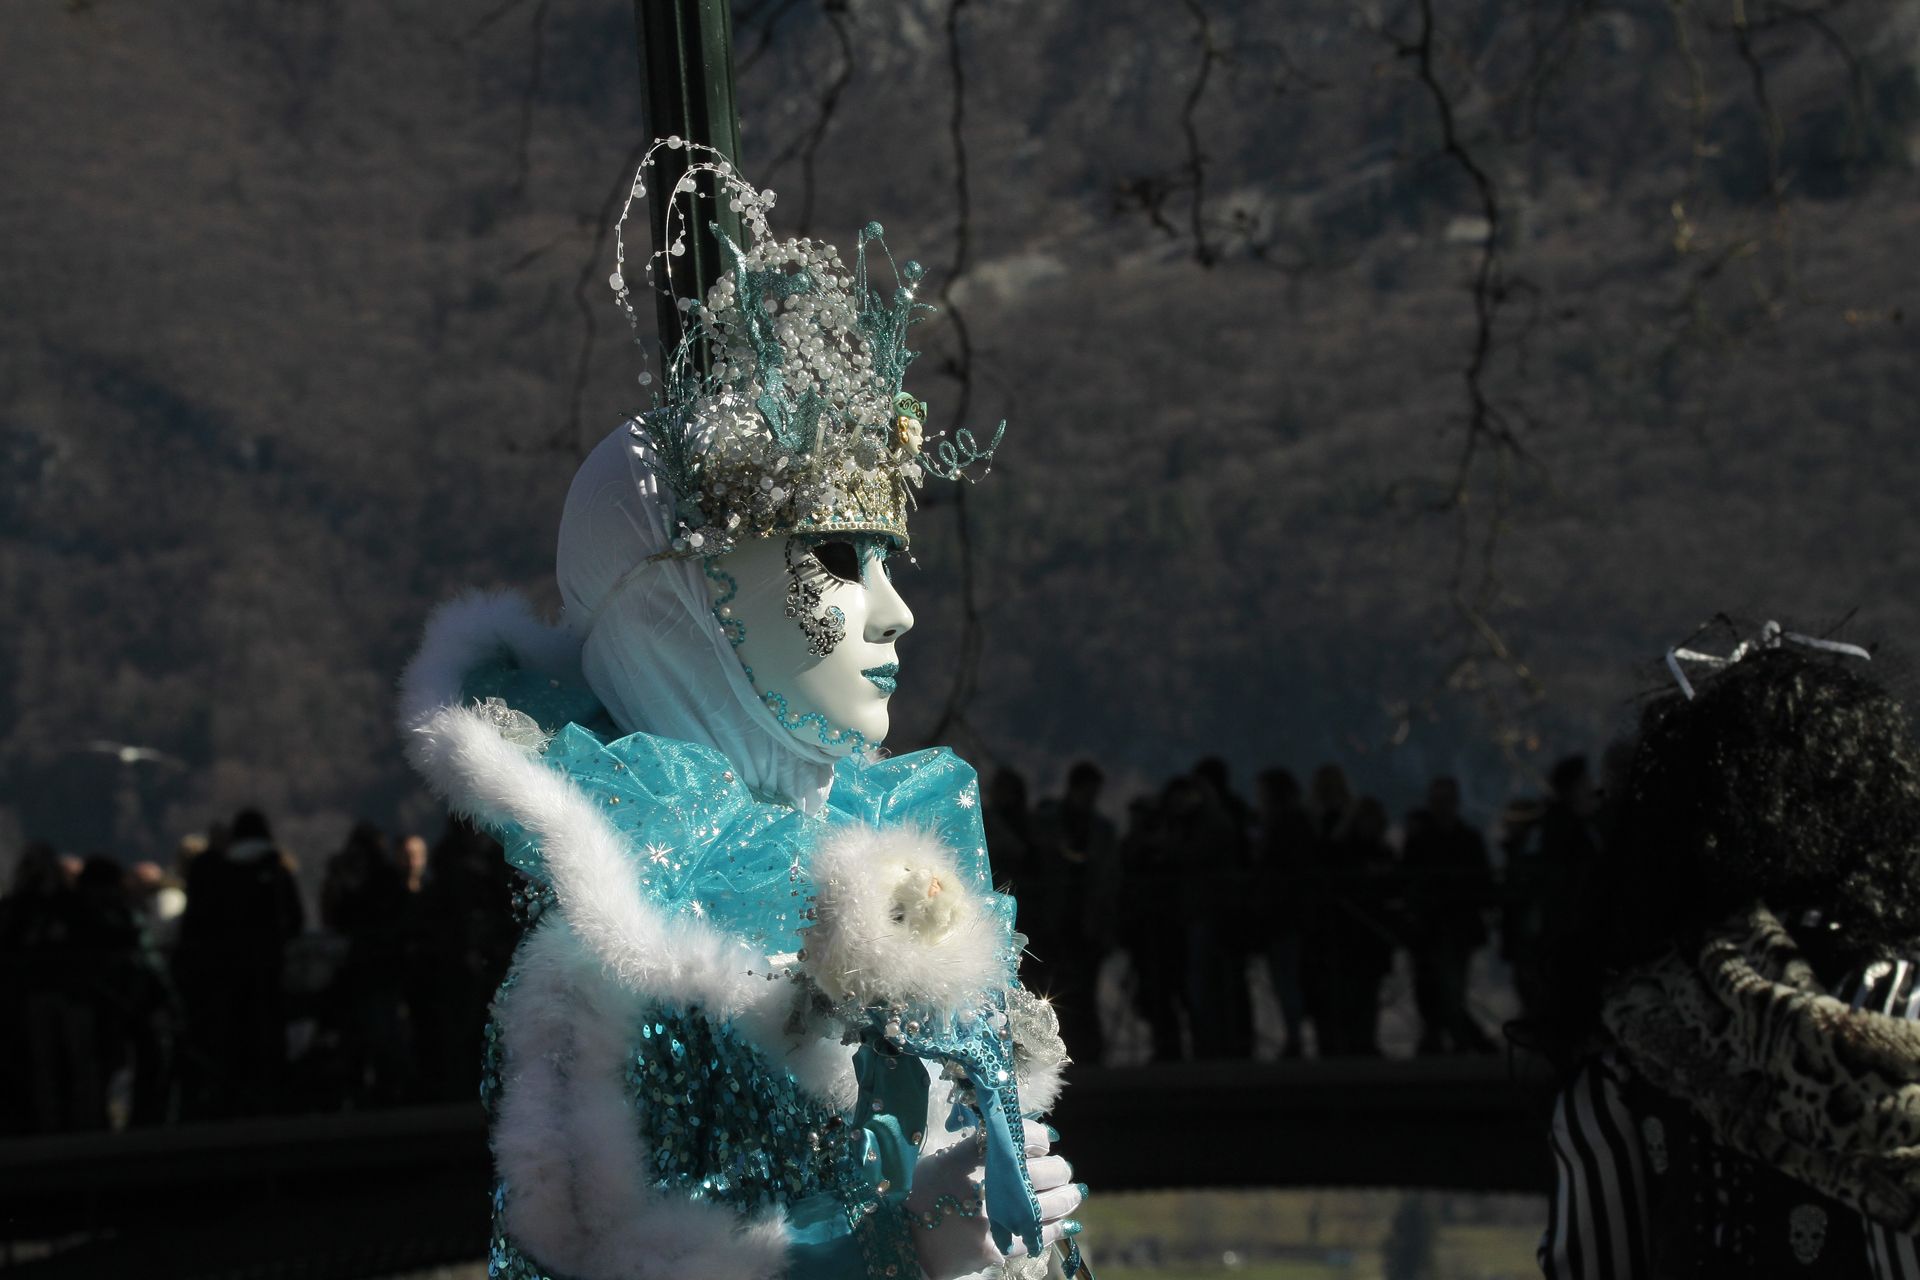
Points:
(701, 843)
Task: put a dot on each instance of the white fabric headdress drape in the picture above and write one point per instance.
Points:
(653, 653)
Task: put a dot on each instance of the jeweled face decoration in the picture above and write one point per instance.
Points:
(814, 620)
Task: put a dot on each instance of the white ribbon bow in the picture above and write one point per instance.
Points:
(1771, 636)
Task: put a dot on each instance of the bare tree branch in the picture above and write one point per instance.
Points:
(807, 146)
(1210, 53)
(537, 60)
(767, 19)
(589, 280)
(1474, 590)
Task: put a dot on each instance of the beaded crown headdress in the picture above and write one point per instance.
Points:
(796, 422)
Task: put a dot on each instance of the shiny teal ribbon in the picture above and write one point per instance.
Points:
(981, 1051)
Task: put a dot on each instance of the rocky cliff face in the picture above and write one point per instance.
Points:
(306, 325)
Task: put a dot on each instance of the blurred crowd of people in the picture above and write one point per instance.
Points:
(1202, 887)
(145, 994)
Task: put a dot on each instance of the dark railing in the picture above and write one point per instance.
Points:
(377, 1193)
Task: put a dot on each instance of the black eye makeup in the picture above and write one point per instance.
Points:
(845, 558)
(839, 558)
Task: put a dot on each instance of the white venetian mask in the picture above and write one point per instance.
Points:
(814, 621)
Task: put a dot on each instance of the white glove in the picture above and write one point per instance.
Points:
(949, 1213)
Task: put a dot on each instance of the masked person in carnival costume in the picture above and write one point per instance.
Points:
(766, 1020)
(1745, 1092)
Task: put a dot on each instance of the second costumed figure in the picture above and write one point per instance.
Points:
(766, 1019)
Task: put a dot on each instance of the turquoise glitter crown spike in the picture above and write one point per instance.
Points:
(799, 422)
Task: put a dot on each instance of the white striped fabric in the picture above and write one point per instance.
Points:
(1890, 988)
(1598, 1225)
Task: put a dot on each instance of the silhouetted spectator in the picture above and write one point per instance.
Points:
(1008, 819)
(1548, 866)
(1350, 946)
(1519, 902)
(1282, 847)
(364, 899)
(54, 1078)
(115, 975)
(1568, 837)
(1449, 879)
(429, 971)
(1080, 867)
(1233, 935)
(1615, 762)
(1150, 887)
(192, 847)
(413, 858)
(158, 901)
(1199, 836)
(1329, 802)
(459, 943)
(1329, 812)
(1214, 772)
(243, 907)
(195, 974)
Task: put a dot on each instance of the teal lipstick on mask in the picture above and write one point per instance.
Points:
(884, 677)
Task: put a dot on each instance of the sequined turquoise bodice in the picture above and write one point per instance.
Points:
(724, 1124)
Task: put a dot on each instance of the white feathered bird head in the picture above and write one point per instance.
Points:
(894, 923)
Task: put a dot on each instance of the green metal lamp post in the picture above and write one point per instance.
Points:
(686, 65)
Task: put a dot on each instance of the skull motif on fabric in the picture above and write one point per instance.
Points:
(1807, 1231)
(1654, 1135)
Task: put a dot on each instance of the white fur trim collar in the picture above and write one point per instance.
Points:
(493, 779)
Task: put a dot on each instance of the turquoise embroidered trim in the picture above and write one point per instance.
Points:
(730, 626)
(828, 735)
(945, 1207)
(886, 1240)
